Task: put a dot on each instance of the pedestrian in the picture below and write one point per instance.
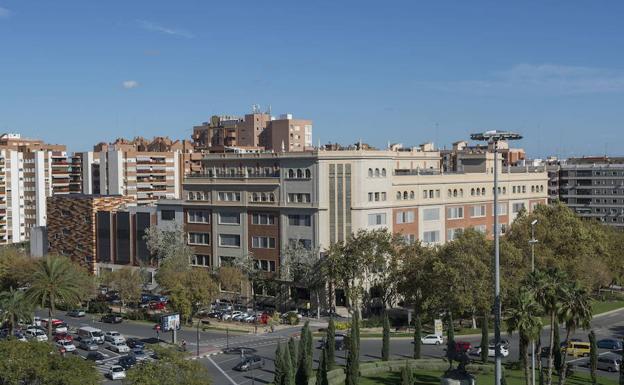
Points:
(183, 345)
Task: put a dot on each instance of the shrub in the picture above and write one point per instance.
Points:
(343, 325)
(98, 307)
(292, 318)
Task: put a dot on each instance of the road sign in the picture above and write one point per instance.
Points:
(170, 322)
(438, 327)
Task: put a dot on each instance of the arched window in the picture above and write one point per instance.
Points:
(191, 195)
(541, 188)
(263, 196)
(405, 195)
(291, 173)
(533, 188)
(461, 192)
(271, 197)
(383, 172)
(299, 173)
(254, 197)
(504, 190)
(377, 172)
(412, 195)
(199, 195)
(449, 193)
(455, 193)
(370, 172)
(483, 191)
(472, 192)
(398, 195)
(308, 174)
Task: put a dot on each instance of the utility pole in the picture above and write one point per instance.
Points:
(533, 241)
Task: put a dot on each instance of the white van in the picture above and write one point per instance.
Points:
(87, 332)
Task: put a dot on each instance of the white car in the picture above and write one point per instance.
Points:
(118, 346)
(36, 334)
(116, 372)
(231, 315)
(114, 336)
(67, 345)
(432, 339)
(504, 351)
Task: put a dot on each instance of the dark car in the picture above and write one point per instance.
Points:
(249, 363)
(111, 318)
(609, 343)
(127, 362)
(340, 340)
(97, 357)
(135, 344)
(504, 343)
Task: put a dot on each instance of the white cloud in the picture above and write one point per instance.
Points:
(151, 26)
(129, 84)
(544, 79)
(5, 13)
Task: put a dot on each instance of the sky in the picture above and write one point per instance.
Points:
(84, 71)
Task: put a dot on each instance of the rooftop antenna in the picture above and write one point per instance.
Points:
(269, 111)
(255, 108)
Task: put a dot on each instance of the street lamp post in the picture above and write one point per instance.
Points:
(493, 137)
(532, 242)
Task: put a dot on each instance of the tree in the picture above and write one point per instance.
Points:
(128, 283)
(484, 338)
(621, 379)
(15, 266)
(593, 356)
(407, 377)
(417, 335)
(35, 363)
(330, 339)
(557, 353)
(289, 356)
(301, 266)
(450, 340)
(278, 378)
(385, 346)
(575, 311)
(170, 368)
(14, 307)
(164, 245)
(524, 318)
(294, 356)
(321, 373)
(304, 370)
(353, 366)
(56, 280)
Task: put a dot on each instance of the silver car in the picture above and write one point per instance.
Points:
(609, 363)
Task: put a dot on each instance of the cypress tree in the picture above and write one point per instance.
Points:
(450, 343)
(310, 350)
(304, 368)
(622, 365)
(417, 335)
(385, 346)
(293, 353)
(278, 378)
(321, 372)
(288, 367)
(484, 338)
(330, 339)
(593, 356)
(557, 349)
(353, 367)
(407, 377)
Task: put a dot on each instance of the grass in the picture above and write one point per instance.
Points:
(513, 377)
(605, 306)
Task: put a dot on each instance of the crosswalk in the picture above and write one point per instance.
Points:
(245, 340)
(106, 364)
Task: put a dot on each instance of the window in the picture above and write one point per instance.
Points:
(167, 215)
(291, 174)
(516, 207)
(370, 172)
(430, 193)
(437, 193)
(229, 218)
(452, 234)
(399, 195)
(477, 211)
(523, 189)
(263, 264)
(229, 196)
(370, 196)
(431, 214)
(501, 208)
(377, 172)
(481, 228)
(305, 243)
(299, 198)
(376, 197)
(472, 192)
(198, 238)
(454, 212)
(412, 196)
(405, 195)
(425, 194)
(376, 219)
(383, 172)
(198, 216)
(263, 242)
(200, 260)
(308, 174)
(513, 189)
(431, 236)
(263, 219)
(299, 173)
(299, 220)
(483, 191)
(383, 196)
(405, 217)
(229, 240)
(409, 238)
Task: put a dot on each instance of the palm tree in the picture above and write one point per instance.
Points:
(15, 307)
(56, 280)
(575, 312)
(524, 318)
(548, 290)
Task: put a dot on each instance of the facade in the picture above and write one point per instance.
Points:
(594, 188)
(73, 224)
(461, 156)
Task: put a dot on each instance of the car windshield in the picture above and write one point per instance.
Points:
(96, 334)
(118, 369)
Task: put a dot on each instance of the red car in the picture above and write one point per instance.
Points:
(63, 337)
(157, 305)
(462, 346)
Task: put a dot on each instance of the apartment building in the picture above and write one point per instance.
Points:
(462, 155)
(594, 188)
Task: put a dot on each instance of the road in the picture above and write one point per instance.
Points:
(221, 365)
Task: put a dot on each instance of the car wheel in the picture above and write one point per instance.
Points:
(437, 342)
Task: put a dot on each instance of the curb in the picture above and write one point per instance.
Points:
(207, 354)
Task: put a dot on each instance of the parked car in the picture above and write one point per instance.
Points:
(76, 313)
(578, 349)
(118, 347)
(564, 343)
(491, 348)
(135, 343)
(96, 357)
(36, 334)
(609, 343)
(111, 318)
(504, 342)
(139, 355)
(88, 332)
(157, 305)
(432, 339)
(127, 362)
(63, 337)
(67, 345)
(58, 326)
(340, 342)
(609, 363)
(230, 315)
(116, 372)
(114, 336)
(88, 344)
(19, 336)
(462, 346)
(249, 363)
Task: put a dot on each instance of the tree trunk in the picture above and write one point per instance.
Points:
(526, 360)
(474, 321)
(538, 350)
(550, 353)
(50, 322)
(564, 354)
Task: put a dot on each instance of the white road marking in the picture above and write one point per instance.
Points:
(222, 371)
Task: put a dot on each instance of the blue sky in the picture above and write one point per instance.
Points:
(79, 72)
